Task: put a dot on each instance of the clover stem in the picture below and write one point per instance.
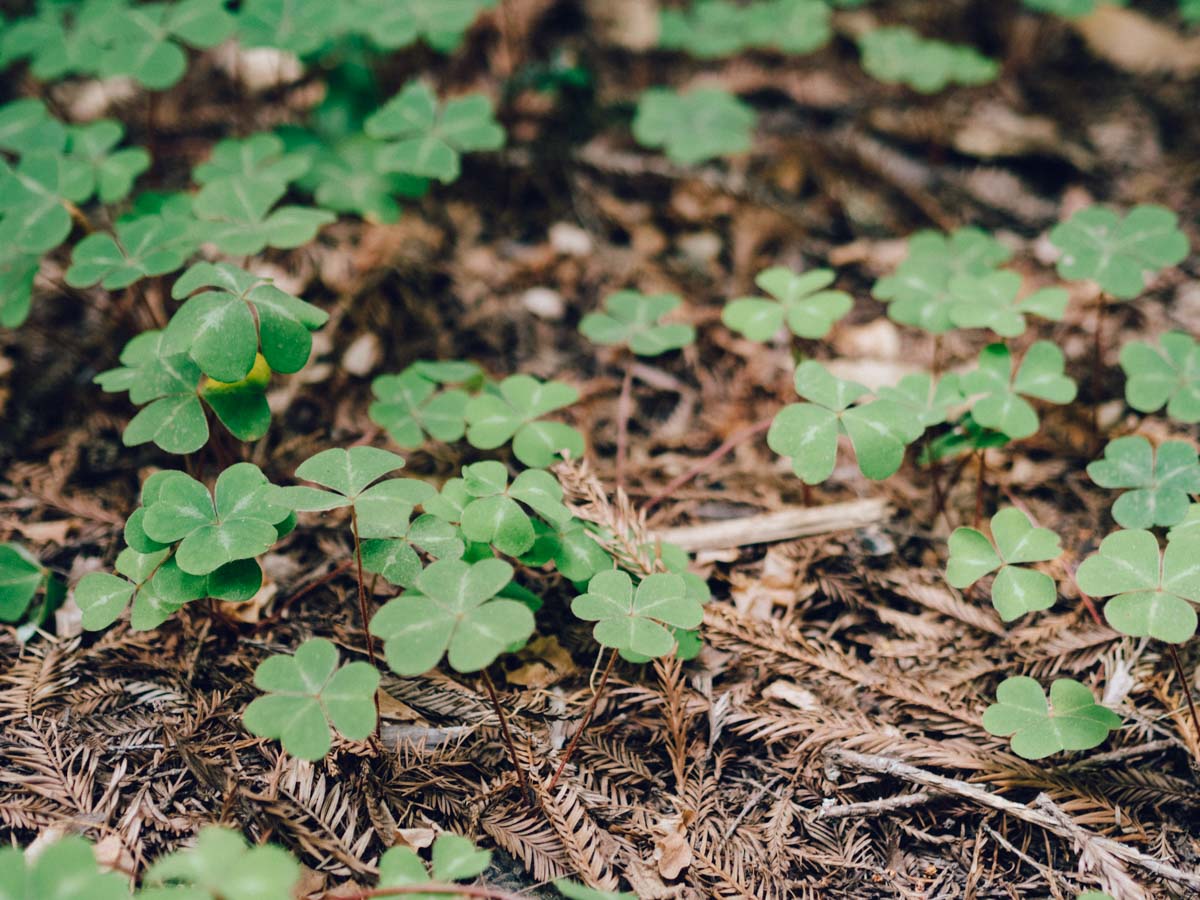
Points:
(1187, 692)
(709, 461)
(504, 731)
(1097, 365)
(587, 718)
(362, 604)
(624, 410)
(980, 482)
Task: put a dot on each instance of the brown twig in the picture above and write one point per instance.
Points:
(362, 606)
(707, 462)
(979, 486)
(512, 748)
(1187, 692)
(587, 718)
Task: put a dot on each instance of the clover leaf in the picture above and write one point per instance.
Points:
(575, 891)
(221, 329)
(694, 126)
(918, 292)
(17, 271)
(512, 411)
(1068, 9)
(221, 867)
(714, 28)
(1016, 590)
(570, 546)
(708, 29)
(64, 870)
(453, 858)
(494, 516)
(990, 301)
(308, 693)
(999, 394)
(350, 177)
(142, 41)
(21, 577)
(1163, 478)
(452, 607)
(26, 126)
(1070, 720)
(801, 301)
(410, 405)
(1117, 253)
(428, 138)
(634, 622)
(33, 198)
(1189, 527)
(143, 246)
(396, 558)
(789, 26)
(239, 216)
(1164, 377)
(113, 171)
(926, 402)
(898, 55)
(296, 26)
(633, 319)
(808, 432)
(392, 24)
(59, 39)
(1150, 590)
(259, 157)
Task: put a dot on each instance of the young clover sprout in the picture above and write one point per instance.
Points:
(185, 544)
(808, 432)
(307, 694)
(999, 392)
(800, 300)
(1152, 591)
(453, 858)
(1161, 478)
(1070, 720)
(693, 127)
(221, 866)
(428, 138)
(1168, 377)
(494, 516)
(512, 410)
(65, 870)
(898, 55)
(1017, 589)
(22, 577)
(919, 292)
(411, 405)
(634, 623)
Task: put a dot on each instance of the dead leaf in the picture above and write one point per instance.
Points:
(545, 662)
(1137, 43)
(672, 850)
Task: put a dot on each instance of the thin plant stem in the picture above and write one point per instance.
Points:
(1187, 692)
(587, 718)
(504, 730)
(709, 461)
(624, 410)
(1098, 365)
(980, 483)
(362, 605)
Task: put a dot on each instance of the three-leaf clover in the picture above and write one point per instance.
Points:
(21, 576)
(65, 870)
(694, 126)
(307, 693)
(113, 171)
(221, 867)
(396, 558)
(991, 301)
(222, 328)
(452, 607)
(453, 858)
(350, 176)
(296, 26)
(260, 157)
(808, 432)
(239, 216)
(1150, 590)
(427, 139)
(33, 198)
(801, 301)
(495, 517)
(926, 402)
(635, 622)
(898, 55)
(513, 410)
(1162, 479)
(142, 246)
(1168, 377)
(26, 126)
(1117, 253)
(410, 405)
(1000, 402)
(143, 40)
(1070, 720)
(1016, 590)
(1189, 527)
(396, 23)
(633, 319)
(17, 271)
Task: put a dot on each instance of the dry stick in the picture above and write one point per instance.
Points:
(587, 718)
(1187, 692)
(705, 464)
(512, 748)
(885, 765)
(362, 607)
(875, 807)
(624, 404)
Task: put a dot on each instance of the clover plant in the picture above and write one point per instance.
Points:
(1168, 377)
(1017, 589)
(1152, 591)
(716, 28)
(1161, 480)
(65, 870)
(1189, 526)
(261, 157)
(113, 171)
(239, 216)
(808, 432)
(898, 55)
(1119, 252)
(635, 622)
(139, 247)
(991, 301)
(415, 403)
(306, 694)
(926, 401)
(494, 514)
(220, 866)
(22, 578)
(513, 411)
(695, 126)
(1070, 719)
(350, 175)
(998, 389)
(800, 300)
(633, 320)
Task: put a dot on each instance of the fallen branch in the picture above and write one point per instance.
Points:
(777, 526)
(874, 807)
(1039, 815)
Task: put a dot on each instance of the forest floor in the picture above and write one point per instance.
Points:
(827, 742)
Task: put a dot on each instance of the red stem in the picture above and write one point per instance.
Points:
(587, 718)
(512, 749)
(624, 410)
(979, 485)
(1097, 367)
(362, 605)
(1187, 690)
(705, 464)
